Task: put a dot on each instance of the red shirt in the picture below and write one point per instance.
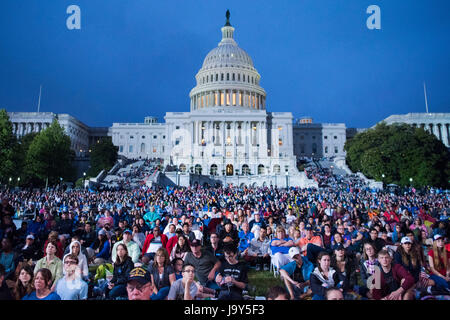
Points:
(441, 270)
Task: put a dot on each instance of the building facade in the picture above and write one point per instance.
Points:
(435, 123)
(319, 140)
(81, 135)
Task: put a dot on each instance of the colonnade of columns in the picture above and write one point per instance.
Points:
(228, 98)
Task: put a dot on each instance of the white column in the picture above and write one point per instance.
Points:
(445, 134)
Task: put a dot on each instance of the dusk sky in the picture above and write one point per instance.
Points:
(137, 58)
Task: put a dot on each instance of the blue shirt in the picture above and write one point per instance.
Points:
(72, 290)
(307, 268)
(51, 296)
(244, 240)
(281, 249)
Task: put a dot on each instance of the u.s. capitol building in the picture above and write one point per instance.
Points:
(228, 130)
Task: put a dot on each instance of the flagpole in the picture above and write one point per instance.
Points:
(425, 93)
(39, 102)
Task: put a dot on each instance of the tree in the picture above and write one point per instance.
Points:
(8, 147)
(49, 156)
(103, 156)
(400, 152)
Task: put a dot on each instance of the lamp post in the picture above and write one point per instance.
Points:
(223, 174)
(410, 182)
(10, 179)
(18, 181)
(84, 180)
(237, 174)
(382, 179)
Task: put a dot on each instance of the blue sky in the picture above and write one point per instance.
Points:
(137, 58)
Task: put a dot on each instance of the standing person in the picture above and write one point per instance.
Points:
(139, 284)
(50, 262)
(122, 267)
(162, 274)
(205, 263)
(133, 248)
(296, 275)
(42, 282)
(24, 283)
(71, 286)
(323, 277)
(438, 260)
(232, 276)
(395, 282)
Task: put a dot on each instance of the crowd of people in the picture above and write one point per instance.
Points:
(343, 241)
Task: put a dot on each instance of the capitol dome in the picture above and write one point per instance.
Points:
(227, 77)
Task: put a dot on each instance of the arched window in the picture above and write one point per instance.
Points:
(245, 169)
(198, 169)
(261, 169)
(182, 167)
(213, 170)
(142, 147)
(276, 169)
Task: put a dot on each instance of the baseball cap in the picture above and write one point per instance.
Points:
(340, 246)
(140, 275)
(30, 236)
(308, 227)
(128, 231)
(406, 240)
(293, 251)
(195, 243)
(438, 236)
(102, 232)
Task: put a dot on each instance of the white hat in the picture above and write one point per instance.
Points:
(406, 240)
(293, 252)
(438, 236)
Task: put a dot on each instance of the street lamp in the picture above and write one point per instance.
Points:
(84, 180)
(237, 173)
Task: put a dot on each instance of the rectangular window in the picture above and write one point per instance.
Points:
(130, 149)
(234, 96)
(121, 149)
(325, 137)
(335, 149)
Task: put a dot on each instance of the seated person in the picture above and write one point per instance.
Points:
(296, 275)
(323, 277)
(228, 235)
(345, 265)
(153, 242)
(395, 282)
(280, 246)
(232, 277)
(186, 288)
(258, 251)
(245, 236)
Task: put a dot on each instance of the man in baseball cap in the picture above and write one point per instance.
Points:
(139, 285)
(296, 274)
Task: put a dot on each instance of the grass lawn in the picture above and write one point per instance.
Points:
(260, 282)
